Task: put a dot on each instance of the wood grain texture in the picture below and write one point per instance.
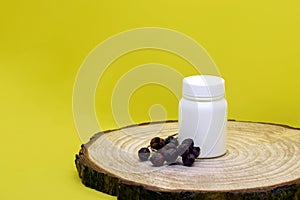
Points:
(262, 162)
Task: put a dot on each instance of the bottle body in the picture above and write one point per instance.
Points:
(204, 120)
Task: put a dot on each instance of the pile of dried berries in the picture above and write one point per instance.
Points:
(168, 150)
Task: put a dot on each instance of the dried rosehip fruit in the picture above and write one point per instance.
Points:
(188, 160)
(189, 142)
(196, 151)
(183, 149)
(162, 151)
(171, 139)
(171, 155)
(144, 154)
(157, 143)
(157, 159)
(170, 146)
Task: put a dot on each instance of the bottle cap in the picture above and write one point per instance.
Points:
(203, 86)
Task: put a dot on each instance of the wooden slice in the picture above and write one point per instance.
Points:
(262, 162)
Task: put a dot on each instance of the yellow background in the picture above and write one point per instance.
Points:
(255, 44)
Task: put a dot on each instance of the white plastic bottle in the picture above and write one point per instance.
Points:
(203, 114)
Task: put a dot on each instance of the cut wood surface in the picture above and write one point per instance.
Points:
(262, 162)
